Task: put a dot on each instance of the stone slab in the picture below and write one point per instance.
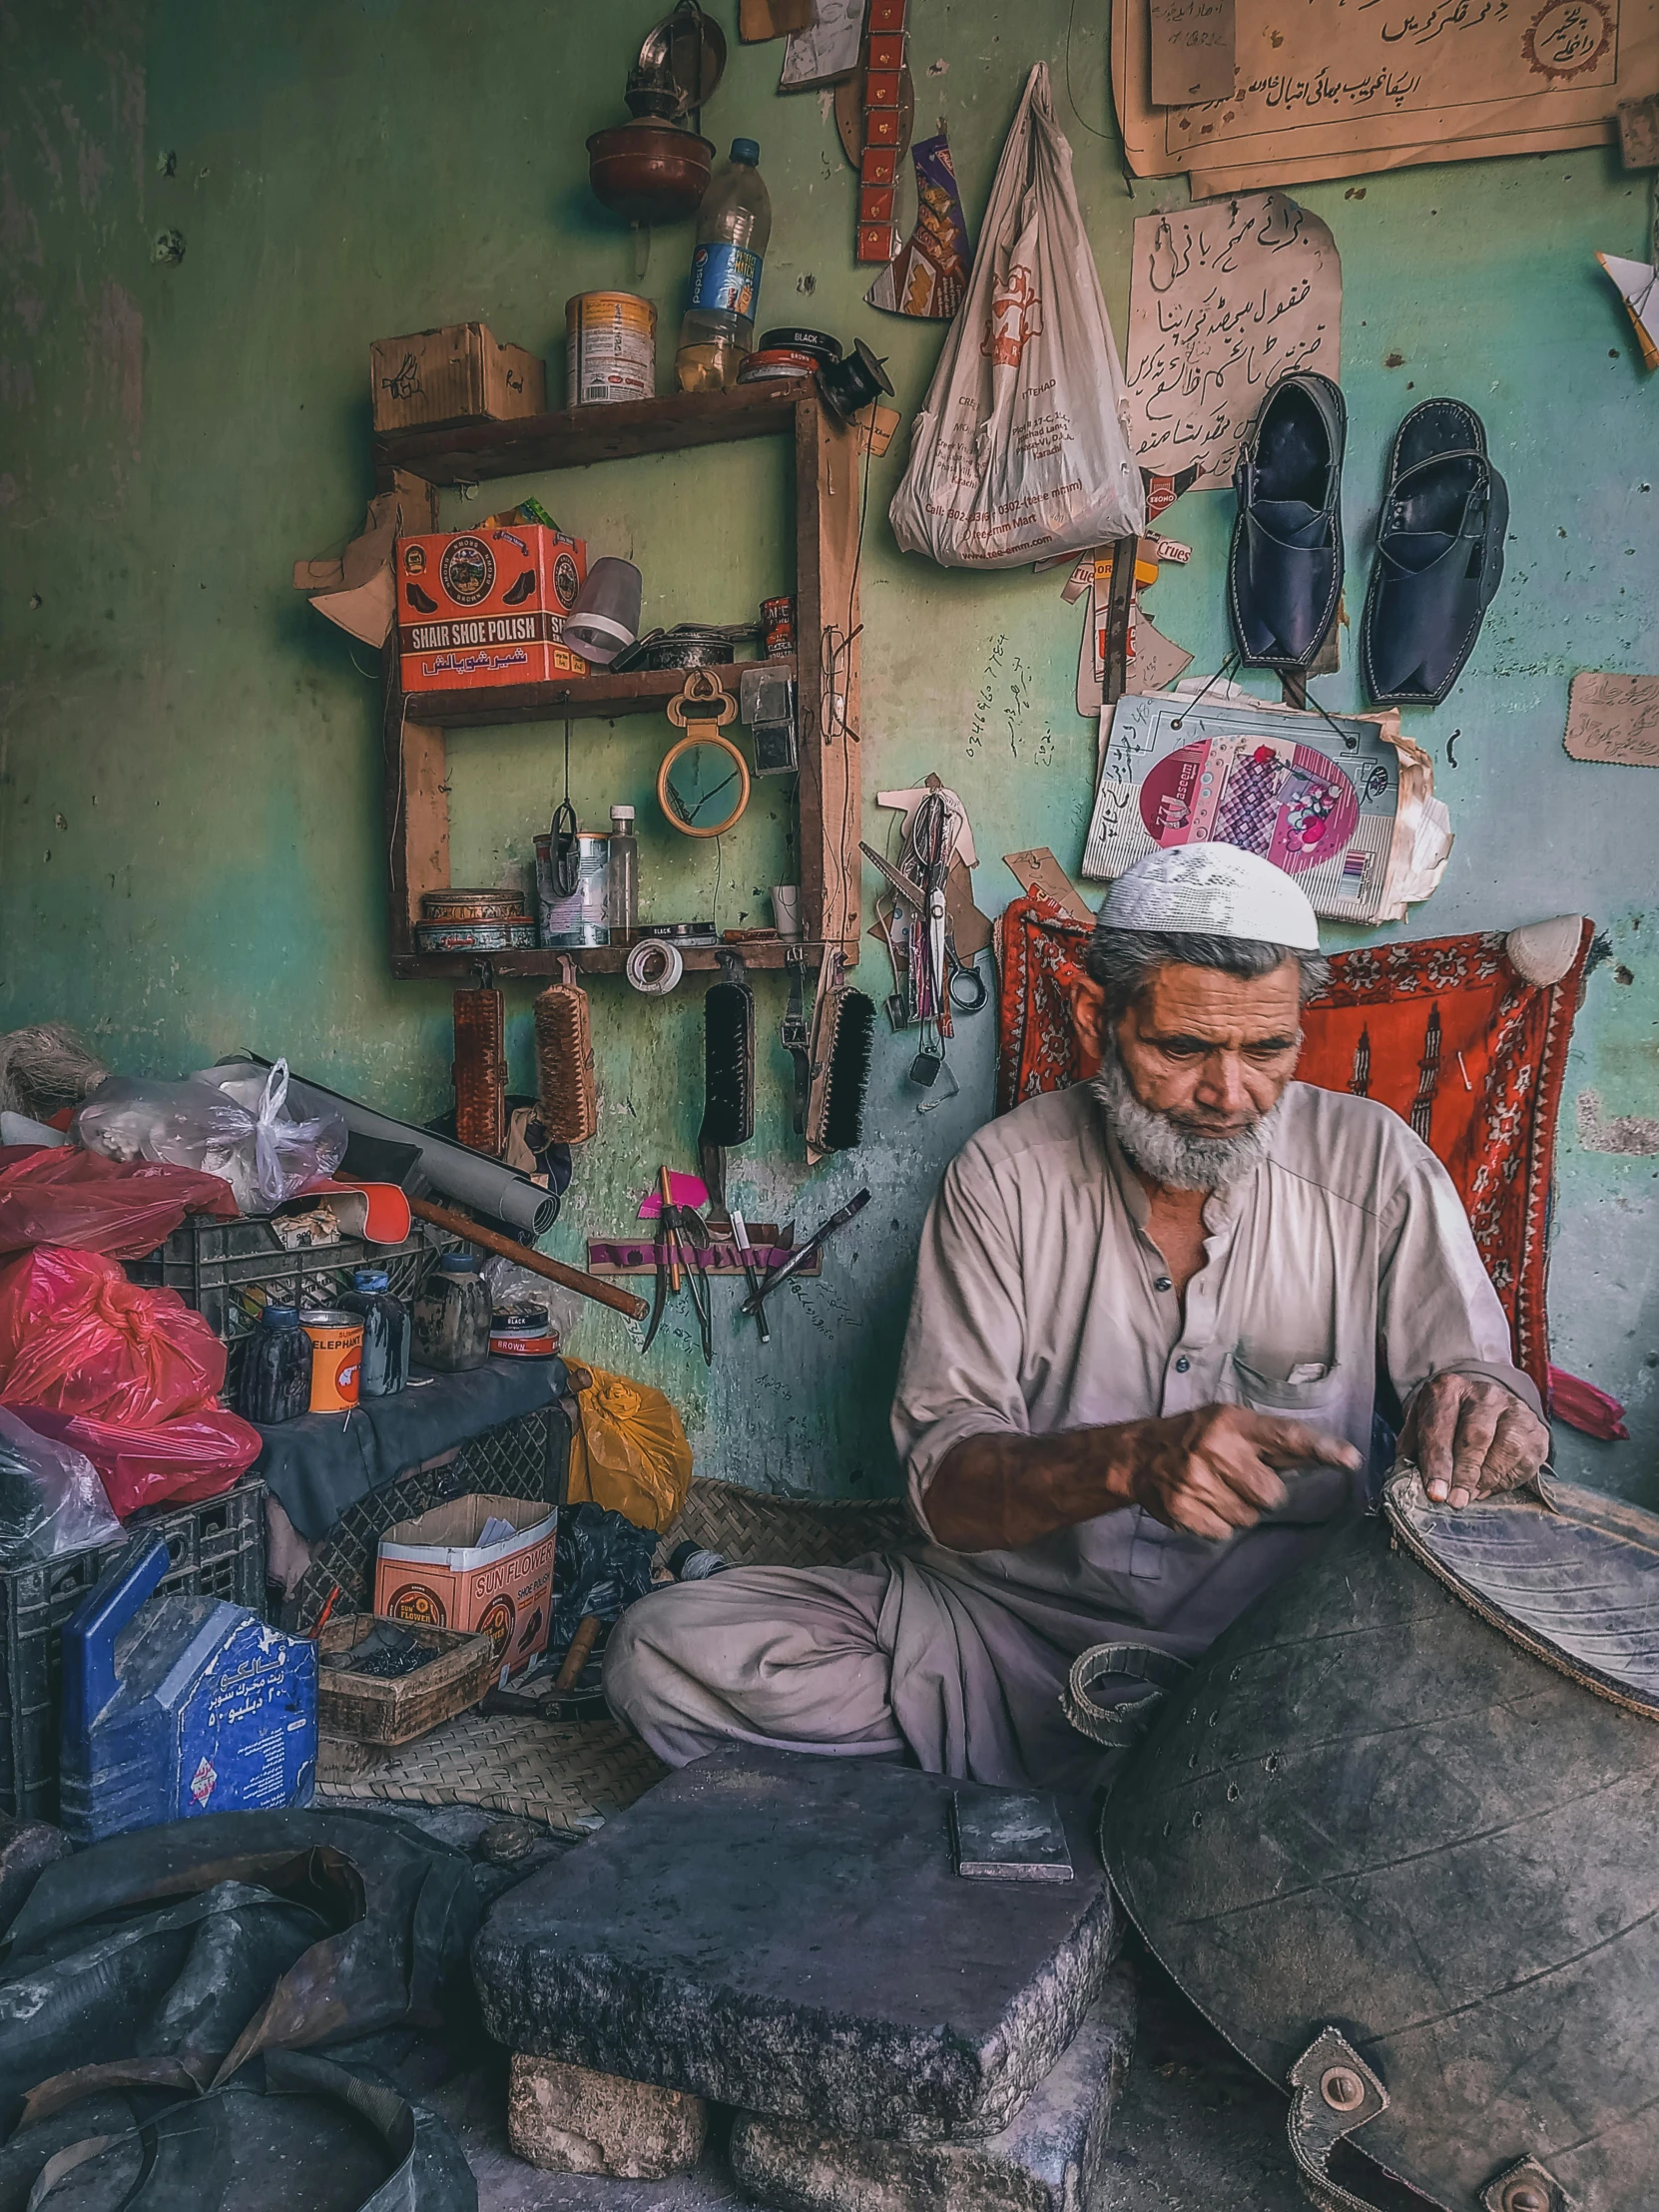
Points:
(787, 1933)
(575, 2121)
(1049, 2159)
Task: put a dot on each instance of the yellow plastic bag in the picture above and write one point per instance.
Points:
(629, 1453)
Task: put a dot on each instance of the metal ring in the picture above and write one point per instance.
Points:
(655, 967)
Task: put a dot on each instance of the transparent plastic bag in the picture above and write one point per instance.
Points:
(51, 1500)
(230, 1122)
(510, 1285)
(1021, 450)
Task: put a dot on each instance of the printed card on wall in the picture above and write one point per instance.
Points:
(1347, 806)
(1224, 298)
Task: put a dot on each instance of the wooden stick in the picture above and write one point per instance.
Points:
(490, 1240)
(587, 1628)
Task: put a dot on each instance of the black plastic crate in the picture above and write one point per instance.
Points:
(216, 1549)
(227, 1270)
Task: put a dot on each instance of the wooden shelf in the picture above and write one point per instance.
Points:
(645, 690)
(474, 452)
(599, 959)
(825, 454)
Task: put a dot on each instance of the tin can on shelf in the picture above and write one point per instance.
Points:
(522, 1333)
(778, 628)
(336, 1357)
(610, 348)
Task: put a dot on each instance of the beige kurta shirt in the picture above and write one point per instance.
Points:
(1041, 1303)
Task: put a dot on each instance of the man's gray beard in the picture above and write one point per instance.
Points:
(1179, 1158)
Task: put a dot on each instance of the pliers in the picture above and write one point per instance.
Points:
(679, 1236)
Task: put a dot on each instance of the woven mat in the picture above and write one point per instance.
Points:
(751, 1528)
(571, 1774)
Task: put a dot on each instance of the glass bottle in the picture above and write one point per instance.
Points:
(385, 1367)
(622, 883)
(734, 225)
(275, 1383)
(452, 1316)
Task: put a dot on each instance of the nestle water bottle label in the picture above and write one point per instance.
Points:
(724, 277)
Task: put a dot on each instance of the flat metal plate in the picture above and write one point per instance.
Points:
(1571, 1575)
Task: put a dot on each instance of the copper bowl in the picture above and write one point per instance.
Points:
(648, 170)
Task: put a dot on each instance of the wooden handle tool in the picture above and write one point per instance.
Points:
(576, 1658)
(555, 1270)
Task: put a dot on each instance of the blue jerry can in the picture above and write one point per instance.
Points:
(178, 1706)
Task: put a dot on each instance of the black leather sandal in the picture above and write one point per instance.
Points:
(1438, 559)
(1285, 567)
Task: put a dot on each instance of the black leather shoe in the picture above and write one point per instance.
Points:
(1285, 569)
(1438, 560)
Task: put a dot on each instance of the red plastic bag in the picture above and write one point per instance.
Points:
(194, 1457)
(122, 1209)
(77, 1337)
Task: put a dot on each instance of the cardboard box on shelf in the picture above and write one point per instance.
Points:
(480, 606)
(460, 373)
(433, 1571)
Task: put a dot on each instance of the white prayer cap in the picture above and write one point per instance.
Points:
(1217, 891)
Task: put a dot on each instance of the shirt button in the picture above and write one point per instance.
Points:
(1161, 1283)
(1182, 1364)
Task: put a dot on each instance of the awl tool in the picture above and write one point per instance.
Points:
(797, 1259)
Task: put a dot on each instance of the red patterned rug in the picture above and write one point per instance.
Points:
(1445, 1032)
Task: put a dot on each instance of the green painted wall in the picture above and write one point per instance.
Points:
(192, 850)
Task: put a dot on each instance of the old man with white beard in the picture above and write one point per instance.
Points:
(1155, 1318)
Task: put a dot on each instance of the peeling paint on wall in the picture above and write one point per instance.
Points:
(1634, 1135)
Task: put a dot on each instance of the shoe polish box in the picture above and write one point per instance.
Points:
(487, 607)
(433, 1573)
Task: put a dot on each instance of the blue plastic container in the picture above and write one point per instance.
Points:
(179, 1706)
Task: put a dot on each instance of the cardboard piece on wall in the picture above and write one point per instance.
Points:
(368, 611)
(970, 930)
(1340, 92)
(1039, 870)
(1614, 719)
(1224, 297)
(1156, 661)
(1192, 50)
(758, 20)
(1638, 287)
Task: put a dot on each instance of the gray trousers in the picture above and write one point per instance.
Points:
(884, 1658)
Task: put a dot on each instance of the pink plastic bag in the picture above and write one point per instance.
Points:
(124, 1210)
(77, 1337)
(193, 1456)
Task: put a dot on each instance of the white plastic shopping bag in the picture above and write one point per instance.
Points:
(1022, 451)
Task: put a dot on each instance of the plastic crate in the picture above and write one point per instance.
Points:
(227, 1270)
(216, 1549)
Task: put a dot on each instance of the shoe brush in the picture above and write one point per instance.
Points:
(844, 1034)
(729, 1059)
(567, 1100)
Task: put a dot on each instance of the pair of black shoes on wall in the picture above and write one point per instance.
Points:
(1439, 541)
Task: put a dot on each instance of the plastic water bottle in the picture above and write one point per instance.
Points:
(733, 225)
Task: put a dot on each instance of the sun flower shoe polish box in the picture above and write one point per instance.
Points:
(434, 1571)
(481, 607)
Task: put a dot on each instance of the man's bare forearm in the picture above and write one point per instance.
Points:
(998, 1492)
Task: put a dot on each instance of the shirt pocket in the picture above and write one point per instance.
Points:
(1298, 1387)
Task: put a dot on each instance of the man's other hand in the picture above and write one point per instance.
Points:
(1470, 1437)
(1214, 1472)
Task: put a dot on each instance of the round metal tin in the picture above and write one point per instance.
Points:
(518, 935)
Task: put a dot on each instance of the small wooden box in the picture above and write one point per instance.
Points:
(460, 373)
(391, 1710)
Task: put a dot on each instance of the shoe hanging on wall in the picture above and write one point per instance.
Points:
(1285, 566)
(1438, 559)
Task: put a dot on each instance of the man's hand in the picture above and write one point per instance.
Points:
(1211, 1472)
(1470, 1437)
